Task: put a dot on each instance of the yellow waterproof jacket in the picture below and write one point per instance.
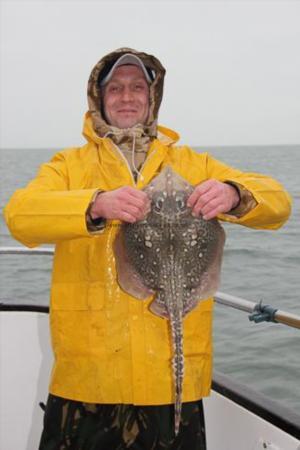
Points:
(108, 347)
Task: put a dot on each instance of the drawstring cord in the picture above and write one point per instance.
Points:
(116, 133)
(138, 173)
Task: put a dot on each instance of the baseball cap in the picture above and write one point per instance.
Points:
(128, 58)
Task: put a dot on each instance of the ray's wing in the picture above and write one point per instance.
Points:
(128, 278)
(135, 262)
(203, 266)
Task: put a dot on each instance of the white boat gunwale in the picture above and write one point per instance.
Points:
(272, 411)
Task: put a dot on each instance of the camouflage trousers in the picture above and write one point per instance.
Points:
(72, 425)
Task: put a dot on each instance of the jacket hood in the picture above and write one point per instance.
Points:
(100, 126)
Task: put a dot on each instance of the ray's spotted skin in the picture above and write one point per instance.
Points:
(173, 255)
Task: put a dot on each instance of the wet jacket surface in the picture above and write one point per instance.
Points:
(108, 346)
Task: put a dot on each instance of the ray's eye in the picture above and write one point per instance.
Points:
(158, 204)
(180, 203)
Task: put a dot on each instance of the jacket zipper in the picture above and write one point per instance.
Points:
(147, 159)
(128, 166)
(126, 162)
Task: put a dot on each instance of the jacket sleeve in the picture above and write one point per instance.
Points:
(47, 210)
(271, 206)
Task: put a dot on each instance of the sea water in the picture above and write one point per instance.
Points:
(258, 265)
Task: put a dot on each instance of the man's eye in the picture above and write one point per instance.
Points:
(139, 87)
(114, 88)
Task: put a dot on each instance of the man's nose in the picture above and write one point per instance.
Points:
(127, 94)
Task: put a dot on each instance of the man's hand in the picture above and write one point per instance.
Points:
(126, 204)
(213, 197)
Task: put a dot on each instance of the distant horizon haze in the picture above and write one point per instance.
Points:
(196, 147)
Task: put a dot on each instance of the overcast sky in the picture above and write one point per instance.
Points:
(233, 67)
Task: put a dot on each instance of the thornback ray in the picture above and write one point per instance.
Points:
(173, 255)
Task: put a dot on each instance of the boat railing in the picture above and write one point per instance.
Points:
(258, 312)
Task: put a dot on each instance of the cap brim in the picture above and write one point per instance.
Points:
(128, 58)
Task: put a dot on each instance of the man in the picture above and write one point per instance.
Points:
(111, 385)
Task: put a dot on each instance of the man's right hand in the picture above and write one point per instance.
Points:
(126, 204)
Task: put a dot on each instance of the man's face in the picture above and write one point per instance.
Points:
(126, 97)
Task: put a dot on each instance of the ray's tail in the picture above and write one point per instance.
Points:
(177, 365)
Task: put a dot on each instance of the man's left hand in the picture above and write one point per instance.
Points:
(213, 197)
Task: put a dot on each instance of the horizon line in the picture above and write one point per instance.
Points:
(192, 146)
